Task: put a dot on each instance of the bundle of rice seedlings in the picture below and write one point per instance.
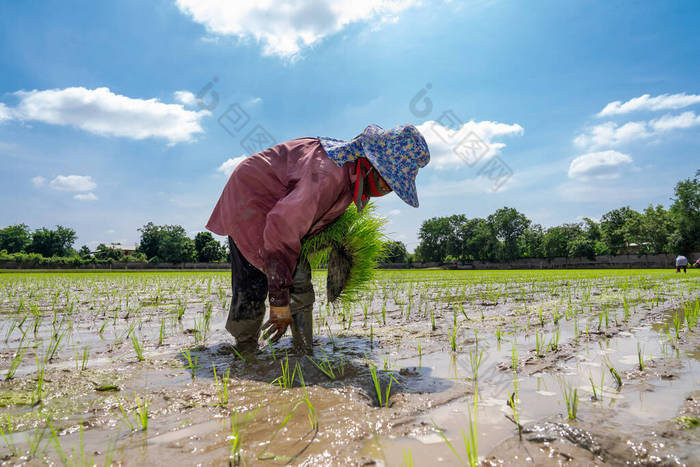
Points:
(351, 247)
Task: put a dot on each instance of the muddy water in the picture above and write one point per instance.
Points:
(402, 326)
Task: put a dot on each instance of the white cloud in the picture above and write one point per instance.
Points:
(285, 28)
(38, 181)
(394, 212)
(255, 100)
(73, 183)
(5, 113)
(86, 197)
(610, 134)
(102, 112)
(646, 102)
(467, 146)
(599, 165)
(230, 164)
(185, 97)
(673, 122)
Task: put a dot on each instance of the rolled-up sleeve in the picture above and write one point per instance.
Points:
(316, 190)
(286, 225)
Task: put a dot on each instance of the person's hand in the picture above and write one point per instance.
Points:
(280, 319)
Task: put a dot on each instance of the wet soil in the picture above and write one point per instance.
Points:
(422, 331)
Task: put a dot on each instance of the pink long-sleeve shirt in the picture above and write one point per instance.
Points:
(274, 198)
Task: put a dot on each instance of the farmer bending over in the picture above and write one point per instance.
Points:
(275, 198)
(681, 262)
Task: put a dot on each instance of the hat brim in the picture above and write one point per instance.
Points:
(407, 193)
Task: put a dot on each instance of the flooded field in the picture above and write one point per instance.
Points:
(440, 367)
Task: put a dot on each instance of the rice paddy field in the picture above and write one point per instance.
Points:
(431, 366)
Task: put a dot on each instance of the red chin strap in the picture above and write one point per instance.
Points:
(362, 168)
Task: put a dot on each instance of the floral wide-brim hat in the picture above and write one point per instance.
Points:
(397, 154)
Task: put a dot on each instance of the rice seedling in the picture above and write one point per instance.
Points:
(408, 458)
(513, 403)
(499, 335)
(180, 310)
(16, 361)
(597, 391)
(514, 356)
(40, 372)
(554, 343)
(471, 446)
(161, 333)
(613, 373)
(222, 387)
(6, 435)
(453, 339)
(286, 380)
(313, 418)
(571, 400)
(142, 412)
(191, 364)
(539, 345)
(124, 415)
(281, 426)
(677, 324)
(55, 343)
(475, 363)
(237, 427)
(34, 441)
(640, 356)
(327, 367)
(84, 359)
(382, 397)
(137, 346)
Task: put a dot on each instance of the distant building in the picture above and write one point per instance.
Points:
(634, 248)
(125, 249)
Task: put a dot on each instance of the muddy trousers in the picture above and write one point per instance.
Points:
(248, 294)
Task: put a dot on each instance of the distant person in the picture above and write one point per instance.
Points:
(697, 264)
(681, 262)
(275, 198)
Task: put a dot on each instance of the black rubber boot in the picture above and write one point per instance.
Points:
(303, 329)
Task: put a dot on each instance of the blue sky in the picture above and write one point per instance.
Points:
(589, 105)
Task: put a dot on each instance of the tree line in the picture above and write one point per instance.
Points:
(508, 234)
(158, 243)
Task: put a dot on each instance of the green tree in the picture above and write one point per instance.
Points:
(581, 246)
(15, 238)
(207, 249)
(686, 216)
(620, 227)
(58, 242)
(394, 252)
(656, 228)
(105, 253)
(84, 252)
(478, 240)
(435, 235)
(168, 243)
(557, 239)
(531, 242)
(508, 224)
